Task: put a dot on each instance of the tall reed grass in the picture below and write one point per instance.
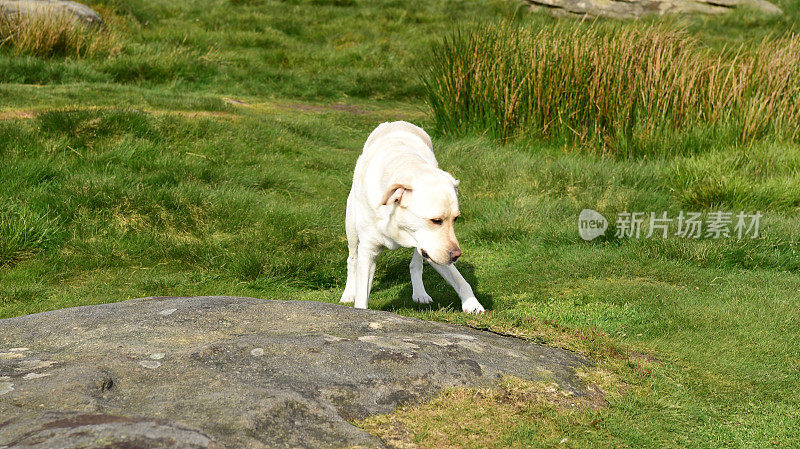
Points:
(621, 91)
(58, 34)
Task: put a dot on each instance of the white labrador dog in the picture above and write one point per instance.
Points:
(401, 198)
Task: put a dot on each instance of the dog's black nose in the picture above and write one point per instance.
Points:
(424, 254)
(454, 255)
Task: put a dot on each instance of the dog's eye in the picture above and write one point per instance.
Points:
(437, 221)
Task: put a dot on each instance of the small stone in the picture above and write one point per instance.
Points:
(30, 376)
(166, 312)
(150, 364)
(157, 356)
(79, 11)
(633, 9)
(257, 352)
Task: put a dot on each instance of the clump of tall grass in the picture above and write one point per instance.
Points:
(619, 90)
(57, 34)
(23, 232)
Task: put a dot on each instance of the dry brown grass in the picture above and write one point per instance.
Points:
(487, 418)
(58, 34)
(612, 87)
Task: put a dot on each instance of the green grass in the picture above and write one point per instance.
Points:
(129, 175)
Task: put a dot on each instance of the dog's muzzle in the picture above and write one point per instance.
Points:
(453, 254)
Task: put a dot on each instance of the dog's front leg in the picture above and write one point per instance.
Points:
(469, 303)
(365, 270)
(415, 267)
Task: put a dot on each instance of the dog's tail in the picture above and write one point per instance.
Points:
(388, 129)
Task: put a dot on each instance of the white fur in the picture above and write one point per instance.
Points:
(398, 191)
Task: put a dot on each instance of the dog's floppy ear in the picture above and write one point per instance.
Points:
(456, 182)
(394, 194)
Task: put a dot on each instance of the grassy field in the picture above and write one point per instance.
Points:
(212, 153)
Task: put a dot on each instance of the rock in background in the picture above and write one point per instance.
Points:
(214, 372)
(14, 8)
(632, 9)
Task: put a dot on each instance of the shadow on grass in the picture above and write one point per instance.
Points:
(396, 273)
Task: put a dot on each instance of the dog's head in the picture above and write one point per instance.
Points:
(425, 209)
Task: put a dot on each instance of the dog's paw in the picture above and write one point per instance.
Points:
(472, 306)
(348, 298)
(422, 298)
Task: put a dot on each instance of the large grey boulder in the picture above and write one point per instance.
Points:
(215, 372)
(632, 9)
(81, 12)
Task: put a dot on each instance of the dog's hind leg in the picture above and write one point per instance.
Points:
(419, 295)
(349, 294)
(469, 303)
